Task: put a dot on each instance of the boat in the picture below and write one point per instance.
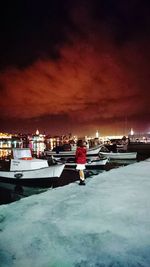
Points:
(117, 155)
(24, 169)
(71, 153)
(92, 163)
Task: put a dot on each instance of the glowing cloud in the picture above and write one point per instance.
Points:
(94, 82)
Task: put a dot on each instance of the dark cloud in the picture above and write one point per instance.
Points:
(32, 30)
(127, 20)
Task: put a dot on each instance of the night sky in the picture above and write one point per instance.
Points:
(75, 66)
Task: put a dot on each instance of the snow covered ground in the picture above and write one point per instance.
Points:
(105, 223)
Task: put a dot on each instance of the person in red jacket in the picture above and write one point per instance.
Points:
(81, 160)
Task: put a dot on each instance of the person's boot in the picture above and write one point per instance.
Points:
(82, 182)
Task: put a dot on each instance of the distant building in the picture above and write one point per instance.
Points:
(139, 137)
(97, 134)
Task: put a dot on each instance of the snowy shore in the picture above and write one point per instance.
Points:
(105, 223)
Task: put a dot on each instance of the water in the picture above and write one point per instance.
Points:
(12, 192)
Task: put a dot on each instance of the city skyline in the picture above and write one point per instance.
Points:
(75, 67)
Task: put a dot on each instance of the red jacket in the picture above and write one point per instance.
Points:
(81, 155)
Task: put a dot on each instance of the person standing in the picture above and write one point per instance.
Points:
(81, 160)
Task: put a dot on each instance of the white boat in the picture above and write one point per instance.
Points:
(92, 163)
(117, 155)
(25, 168)
(71, 153)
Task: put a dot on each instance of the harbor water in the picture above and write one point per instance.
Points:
(12, 192)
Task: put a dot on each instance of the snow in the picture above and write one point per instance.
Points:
(105, 223)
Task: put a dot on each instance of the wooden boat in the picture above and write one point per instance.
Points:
(117, 155)
(25, 168)
(92, 163)
(71, 153)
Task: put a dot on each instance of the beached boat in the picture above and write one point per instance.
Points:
(25, 168)
(117, 155)
(92, 163)
(71, 153)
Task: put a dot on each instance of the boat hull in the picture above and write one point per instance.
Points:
(90, 152)
(39, 182)
(97, 164)
(35, 174)
(67, 176)
(119, 156)
(25, 169)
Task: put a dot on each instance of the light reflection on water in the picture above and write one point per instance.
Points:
(37, 149)
(4, 153)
